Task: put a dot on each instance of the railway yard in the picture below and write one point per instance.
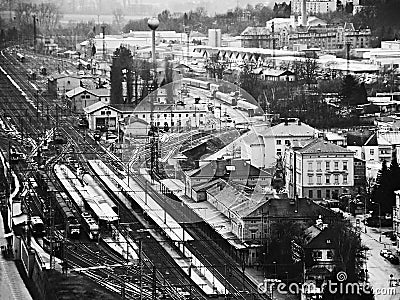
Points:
(95, 220)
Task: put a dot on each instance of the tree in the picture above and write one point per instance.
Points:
(352, 93)
(122, 61)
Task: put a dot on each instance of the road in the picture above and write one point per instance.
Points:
(379, 269)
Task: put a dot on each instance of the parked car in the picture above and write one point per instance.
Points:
(385, 252)
(393, 259)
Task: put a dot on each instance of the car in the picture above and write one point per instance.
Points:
(393, 259)
(385, 252)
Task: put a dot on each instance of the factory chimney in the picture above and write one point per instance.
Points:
(303, 13)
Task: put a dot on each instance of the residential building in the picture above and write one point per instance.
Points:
(319, 170)
(264, 144)
(320, 36)
(253, 215)
(320, 258)
(79, 98)
(360, 176)
(335, 138)
(277, 75)
(58, 85)
(314, 7)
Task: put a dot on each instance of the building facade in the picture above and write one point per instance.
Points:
(314, 7)
(319, 170)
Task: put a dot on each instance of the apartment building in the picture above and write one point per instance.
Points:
(319, 170)
(314, 7)
(264, 144)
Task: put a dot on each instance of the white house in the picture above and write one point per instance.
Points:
(319, 170)
(264, 144)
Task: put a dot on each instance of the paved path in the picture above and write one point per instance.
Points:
(12, 287)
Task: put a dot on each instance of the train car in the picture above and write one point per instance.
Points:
(68, 217)
(31, 74)
(21, 57)
(91, 226)
(37, 226)
(226, 98)
(43, 70)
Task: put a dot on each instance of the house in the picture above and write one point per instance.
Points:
(102, 116)
(320, 258)
(60, 84)
(334, 138)
(239, 171)
(265, 144)
(134, 127)
(277, 75)
(253, 215)
(318, 169)
(79, 98)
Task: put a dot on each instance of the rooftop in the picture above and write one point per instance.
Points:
(321, 146)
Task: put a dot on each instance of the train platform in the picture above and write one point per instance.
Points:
(12, 287)
(188, 263)
(123, 245)
(45, 257)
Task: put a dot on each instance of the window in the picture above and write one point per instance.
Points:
(194, 115)
(371, 151)
(327, 165)
(201, 115)
(317, 254)
(319, 194)
(179, 115)
(328, 194)
(279, 152)
(103, 113)
(287, 142)
(336, 179)
(144, 116)
(187, 115)
(336, 165)
(318, 166)
(165, 115)
(328, 179)
(319, 181)
(278, 142)
(172, 115)
(344, 178)
(345, 165)
(310, 166)
(310, 179)
(329, 254)
(310, 194)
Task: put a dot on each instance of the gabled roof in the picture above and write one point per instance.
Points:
(372, 140)
(97, 106)
(75, 92)
(326, 239)
(276, 73)
(357, 138)
(321, 146)
(133, 119)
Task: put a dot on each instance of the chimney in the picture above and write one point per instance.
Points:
(303, 13)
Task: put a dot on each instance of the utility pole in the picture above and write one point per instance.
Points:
(153, 133)
(348, 45)
(34, 33)
(103, 29)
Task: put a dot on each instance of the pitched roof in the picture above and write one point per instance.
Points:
(357, 138)
(326, 239)
(274, 72)
(97, 106)
(393, 137)
(76, 91)
(255, 31)
(321, 146)
(294, 129)
(372, 140)
(101, 92)
(300, 208)
(228, 169)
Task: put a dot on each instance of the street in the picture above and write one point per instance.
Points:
(380, 269)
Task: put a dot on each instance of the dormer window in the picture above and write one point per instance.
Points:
(328, 241)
